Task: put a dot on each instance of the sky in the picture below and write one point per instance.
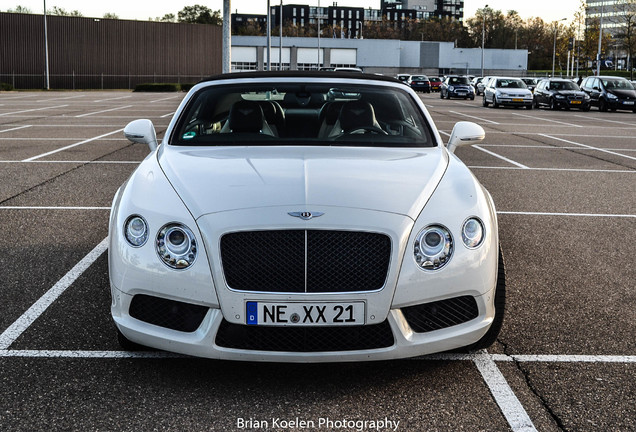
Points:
(549, 10)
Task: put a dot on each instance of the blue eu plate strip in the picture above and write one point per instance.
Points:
(251, 310)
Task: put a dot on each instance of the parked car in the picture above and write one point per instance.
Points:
(505, 91)
(404, 78)
(237, 240)
(479, 89)
(474, 83)
(457, 87)
(531, 83)
(557, 93)
(420, 83)
(610, 93)
(436, 83)
(341, 69)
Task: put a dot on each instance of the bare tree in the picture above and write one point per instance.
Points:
(625, 19)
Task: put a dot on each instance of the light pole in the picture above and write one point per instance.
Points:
(556, 28)
(46, 50)
(483, 37)
(600, 40)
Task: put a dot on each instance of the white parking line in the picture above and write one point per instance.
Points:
(56, 99)
(604, 120)
(523, 358)
(15, 128)
(548, 120)
(103, 111)
(70, 146)
(558, 169)
(50, 208)
(500, 157)
(601, 215)
(509, 405)
(163, 99)
(72, 162)
(21, 324)
(33, 109)
(110, 99)
(167, 115)
(589, 147)
(473, 117)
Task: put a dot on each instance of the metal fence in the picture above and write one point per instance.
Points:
(74, 81)
(88, 53)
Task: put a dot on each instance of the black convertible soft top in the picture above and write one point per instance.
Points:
(302, 74)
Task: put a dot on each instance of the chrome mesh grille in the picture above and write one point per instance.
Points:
(309, 261)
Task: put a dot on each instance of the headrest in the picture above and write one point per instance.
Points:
(356, 114)
(269, 111)
(246, 116)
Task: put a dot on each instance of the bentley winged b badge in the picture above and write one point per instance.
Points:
(306, 215)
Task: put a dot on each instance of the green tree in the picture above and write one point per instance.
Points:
(20, 9)
(110, 15)
(63, 12)
(626, 30)
(198, 14)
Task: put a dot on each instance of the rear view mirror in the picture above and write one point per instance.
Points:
(465, 133)
(143, 132)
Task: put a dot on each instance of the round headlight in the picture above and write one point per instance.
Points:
(433, 247)
(176, 246)
(136, 231)
(473, 233)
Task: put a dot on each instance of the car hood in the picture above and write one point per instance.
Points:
(218, 179)
(624, 94)
(569, 92)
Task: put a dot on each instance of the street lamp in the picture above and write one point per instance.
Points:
(600, 40)
(556, 28)
(483, 38)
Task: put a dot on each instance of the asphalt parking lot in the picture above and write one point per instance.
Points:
(564, 184)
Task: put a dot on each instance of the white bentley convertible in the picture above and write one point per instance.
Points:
(304, 217)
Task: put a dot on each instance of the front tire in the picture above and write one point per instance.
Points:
(500, 306)
(602, 105)
(495, 104)
(484, 101)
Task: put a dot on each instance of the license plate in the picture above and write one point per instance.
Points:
(304, 314)
(628, 102)
(517, 100)
(575, 102)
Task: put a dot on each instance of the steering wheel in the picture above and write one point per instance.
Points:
(364, 129)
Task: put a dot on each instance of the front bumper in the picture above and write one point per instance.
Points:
(461, 94)
(565, 103)
(409, 337)
(622, 104)
(520, 102)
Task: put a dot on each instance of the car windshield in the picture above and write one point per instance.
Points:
(459, 80)
(617, 84)
(510, 83)
(563, 85)
(530, 81)
(302, 114)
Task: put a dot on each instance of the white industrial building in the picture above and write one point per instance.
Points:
(385, 56)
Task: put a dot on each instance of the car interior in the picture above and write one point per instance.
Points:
(302, 115)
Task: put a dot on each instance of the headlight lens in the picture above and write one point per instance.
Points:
(473, 233)
(559, 96)
(433, 247)
(136, 231)
(176, 246)
(612, 96)
(451, 88)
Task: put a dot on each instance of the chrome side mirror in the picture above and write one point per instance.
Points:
(465, 133)
(143, 132)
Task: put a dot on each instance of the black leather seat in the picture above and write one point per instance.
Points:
(246, 116)
(356, 115)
